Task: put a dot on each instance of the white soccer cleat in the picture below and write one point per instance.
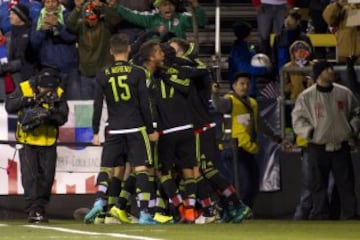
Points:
(205, 220)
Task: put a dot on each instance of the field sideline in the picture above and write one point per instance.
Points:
(249, 230)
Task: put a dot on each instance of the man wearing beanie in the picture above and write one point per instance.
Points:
(21, 11)
(20, 48)
(325, 114)
(41, 110)
(33, 6)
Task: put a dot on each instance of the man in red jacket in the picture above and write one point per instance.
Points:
(270, 18)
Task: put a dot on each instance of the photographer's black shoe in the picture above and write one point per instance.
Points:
(37, 217)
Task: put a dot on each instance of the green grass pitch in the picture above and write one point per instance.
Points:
(248, 230)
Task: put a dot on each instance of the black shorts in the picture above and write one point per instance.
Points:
(114, 151)
(133, 147)
(177, 149)
(206, 148)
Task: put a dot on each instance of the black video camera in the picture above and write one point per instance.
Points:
(33, 117)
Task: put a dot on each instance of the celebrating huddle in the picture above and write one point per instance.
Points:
(158, 122)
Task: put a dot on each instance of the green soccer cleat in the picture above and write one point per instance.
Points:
(239, 214)
(225, 216)
(120, 214)
(162, 218)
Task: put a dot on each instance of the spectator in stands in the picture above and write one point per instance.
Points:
(132, 30)
(347, 36)
(33, 6)
(241, 54)
(20, 48)
(290, 33)
(7, 84)
(300, 53)
(3, 48)
(303, 7)
(68, 4)
(294, 81)
(325, 116)
(56, 45)
(41, 111)
(270, 17)
(92, 22)
(165, 19)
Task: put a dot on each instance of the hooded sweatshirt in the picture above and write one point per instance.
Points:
(300, 52)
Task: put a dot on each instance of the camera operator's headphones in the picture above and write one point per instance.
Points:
(48, 77)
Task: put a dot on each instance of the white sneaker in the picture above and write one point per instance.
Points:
(205, 220)
(111, 220)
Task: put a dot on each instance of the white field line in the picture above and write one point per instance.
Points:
(116, 235)
(3, 225)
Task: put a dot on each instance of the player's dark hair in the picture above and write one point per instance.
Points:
(183, 44)
(241, 75)
(146, 50)
(119, 43)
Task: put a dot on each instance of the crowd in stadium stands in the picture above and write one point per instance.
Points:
(99, 49)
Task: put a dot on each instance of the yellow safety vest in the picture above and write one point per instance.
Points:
(242, 123)
(43, 135)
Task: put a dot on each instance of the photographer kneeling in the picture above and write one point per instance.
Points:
(41, 110)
